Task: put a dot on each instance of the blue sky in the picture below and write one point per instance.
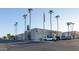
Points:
(8, 16)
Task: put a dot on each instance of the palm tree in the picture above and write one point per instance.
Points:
(16, 29)
(73, 34)
(15, 25)
(25, 20)
(57, 24)
(4, 37)
(29, 10)
(51, 11)
(68, 24)
(25, 25)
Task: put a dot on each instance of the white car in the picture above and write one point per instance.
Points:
(65, 38)
(50, 38)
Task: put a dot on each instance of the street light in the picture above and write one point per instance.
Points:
(51, 11)
(29, 10)
(25, 24)
(57, 24)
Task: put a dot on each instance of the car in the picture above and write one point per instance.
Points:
(65, 38)
(58, 37)
(50, 38)
(68, 37)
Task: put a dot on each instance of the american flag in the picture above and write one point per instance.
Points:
(44, 16)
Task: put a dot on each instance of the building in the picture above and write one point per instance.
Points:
(73, 35)
(37, 34)
(20, 36)
(76, 34)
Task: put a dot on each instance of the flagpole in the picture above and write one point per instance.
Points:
(43, 20)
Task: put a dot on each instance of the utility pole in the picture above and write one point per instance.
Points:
(25, 25)
(51, 11)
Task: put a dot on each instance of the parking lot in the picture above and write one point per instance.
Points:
(61, 45)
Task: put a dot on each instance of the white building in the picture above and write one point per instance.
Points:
(37, 34)
(20, 36)
(73, 35)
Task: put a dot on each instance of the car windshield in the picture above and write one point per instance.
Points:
(63, 36)
(49, 36)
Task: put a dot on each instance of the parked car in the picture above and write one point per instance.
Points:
(69, 38)
(58, 37)
(65, 38)
(50, 38)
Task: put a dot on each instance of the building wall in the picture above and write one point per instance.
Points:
(36, 34)
(66, 34)
(20, 36)
(74, 35)
(39, 34)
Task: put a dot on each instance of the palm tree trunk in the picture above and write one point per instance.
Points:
(50, 21)
(57, 26)
(68, 30)
(25, 29)
(30, 20)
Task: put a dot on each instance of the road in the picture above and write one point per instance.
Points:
(62, 45)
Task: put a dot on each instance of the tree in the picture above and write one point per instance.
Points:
(29, 10)
(16, 24)
(68, 24)
(12, 37)
(51, 11)
(9, 36)
(25, 24)
(4, 37)
(57, 24)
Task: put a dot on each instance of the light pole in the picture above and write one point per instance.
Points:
(51, 11)
(25, 25)
(57, 23)
(15, 25)
(29, 10)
